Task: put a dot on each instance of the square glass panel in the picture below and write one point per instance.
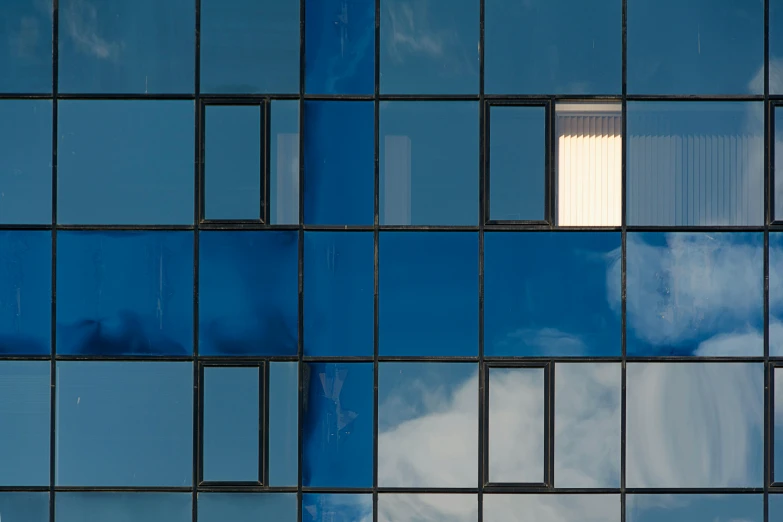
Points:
(283, 430)
(394, 507)
(333, 507)
(29, 507)
(26, 49)
(247, 507)
(695, 508)
(284, 162)
(103, 507)
(552, 508)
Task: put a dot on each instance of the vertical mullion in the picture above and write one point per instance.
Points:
(198, 391)
(263, 422)
(768, 212)
(300, 325)
(53, 326)
(623, 258)
(549, 424)
(483, 424)
(376, 250)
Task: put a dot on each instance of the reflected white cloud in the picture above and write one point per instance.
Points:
(82, 27)
(411, 32)
(551, 508)
(427, 508)
(546, 340)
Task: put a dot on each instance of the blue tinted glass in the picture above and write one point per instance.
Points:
(553, 46)
(339, 293)
(695, 508)
(778, 168)
(250, 46)
(394, 507)
(25, 161)
(553, 508)
(714, 412)
(695, 163)
(329, 508)
(24, 416)
(429, 47)
(337, 433)
(778, 425)
(695, 294)
(708, 47)
(284, 163)
(231, 424)
(232, 162)
(427, 425)
(124, 293)
(248, 293)
(339, 163)
(125, 162)
(283, 423)
(124, 423)
(340, 47)
(105, 507)
(26, 48)
(775, 507)
(516, 162)
(775, 294)
(428, 293)
(25, 292)
(552, 294)
(29, 507)
(247, 507)
(776, 53)
(140, 47)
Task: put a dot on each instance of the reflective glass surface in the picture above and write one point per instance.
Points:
(26, 48)
(552, 508)
(775, 507)
(25, 292)
(124, 293)
(553, 46)
(695, 163)
(330, 508)
(339, 293)
(105, 507)
(250, 46)
(340, 47)
(29, 507)
(777, 458)
(428, 293)
(695, 508)
(427, 508)
(25, 160)
(775, 294)
(429, 47)
(427, 424)
(283, 429)
(337, 435)
(125, 162)
(695, 294)
(778, 152)
(284, 162)
(112, 431)
(339, 162)
(248, 293)
(247, 507)
(709, 47)
(24, 417)
(776, 47)
(552, 294)
(428, 163)
(694, 425)
(140, 47)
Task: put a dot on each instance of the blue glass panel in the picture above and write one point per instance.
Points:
(340, 47)
(248, 293)
(553, 47)
(775, 294)
(339, 163)
(231, 424)
(776, 50)
(339, 293)
(232, 162)
(428, 293)
(124, 293)
(125, 162)
(247, 507)
(695, 508)
(695, 294)
(29, 507)
(775, 507)
(25, 292)
(283, 423)
(113, 431)
(552, 508)
(24, 416)
(695, 163)
(428, 507)
(708, 47)
(777, 458)
(105, 507)
(140, 47)
(517, 163)
(284, 163)
(328, 508)
(778, 170)
(714, 412)
(552, 294)
(26, 48)
(250, 46)
(427, 424)
(25, 161)
(429, 47)
(337, 433)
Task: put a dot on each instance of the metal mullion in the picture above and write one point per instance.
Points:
(53, 326)
(623, 253)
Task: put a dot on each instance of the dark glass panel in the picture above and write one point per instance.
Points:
(333, 507)
(284, 162)
(695, 508)
(283, 428)
(27, 507)
(105, 507)
(247, 507)
(552, 508)
(26, 48)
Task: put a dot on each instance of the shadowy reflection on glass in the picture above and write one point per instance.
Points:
(428, 163)
(105, 507)
(428, 293)
(283, 430)
(553, 46)
(695, 163)
(24, 417)
(337, 434)
(124, 293)
(587, 425)
(552, 293)
(248, 293)
(334, 507)
(284, 162)
(394, 507)
(695, 294)
(124, 424)
(775, 294)
(428, 425)
(25, 292)
(552, 508)
(778, 177)
(26, 46)
(778, 426)
(339, 291)
(695, 425)
(695, 508)
(26, 507)
(707, 47)
(246, 507)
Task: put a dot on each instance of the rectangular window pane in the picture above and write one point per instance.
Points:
(396, 507)
(778, 426)
(778, 170)
(334, 507)
(247, 507)
(284, 163)
(27, 507)
(103, 507)
(283, 423)
(552, 508)
(696, 508)
(26, 50)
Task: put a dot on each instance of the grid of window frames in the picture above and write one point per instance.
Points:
(385, 260)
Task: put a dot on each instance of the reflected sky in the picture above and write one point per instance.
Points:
(283, 423)
(427, 508)
(334, 507)
(778, 195)
(776, 507)
(776, 47)
(777, 458)
(776, 294)
(27, 507)
(284, 162)
(121, 507)
(26, 46)
(695, 508)
(247, 507)
(551, 508)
